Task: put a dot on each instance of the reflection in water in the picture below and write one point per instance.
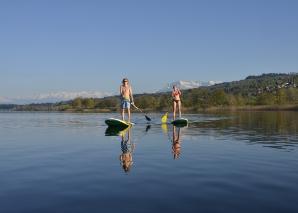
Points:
(148, 128)
(272, 129)
(276, 130)
(175, 140)
(127, 144)
(127, 147)
(115, 131)
(176, 147)
(164, 128)
(226, 160)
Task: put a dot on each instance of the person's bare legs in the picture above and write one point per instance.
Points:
(179, 108)
(122, 113)
(174, 110)
(128, 112)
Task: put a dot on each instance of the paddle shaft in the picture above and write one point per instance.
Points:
(137, 108)
(147, 118)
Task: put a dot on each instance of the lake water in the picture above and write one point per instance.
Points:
(240, 162)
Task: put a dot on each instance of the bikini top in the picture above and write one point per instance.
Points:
(177, 92)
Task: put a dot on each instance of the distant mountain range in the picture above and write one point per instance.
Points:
(272, 90)
(54, 97)
(4, 100)
(184, 85)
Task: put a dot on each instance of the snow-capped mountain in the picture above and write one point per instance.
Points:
(53, 97)
(5, 100)
(64, 96)
(183, 85)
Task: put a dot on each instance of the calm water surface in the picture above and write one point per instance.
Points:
(241, 162)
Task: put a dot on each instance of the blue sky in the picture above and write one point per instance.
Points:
(74, 45)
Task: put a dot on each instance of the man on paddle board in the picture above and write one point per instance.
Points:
(176, 93)
(126, 98)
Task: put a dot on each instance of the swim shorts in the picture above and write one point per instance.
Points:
(125, 104)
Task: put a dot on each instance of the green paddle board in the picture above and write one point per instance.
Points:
(114, 122)
(180, 122)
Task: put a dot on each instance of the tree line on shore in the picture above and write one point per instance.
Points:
(266, 89)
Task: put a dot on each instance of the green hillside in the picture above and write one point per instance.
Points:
(265, 90)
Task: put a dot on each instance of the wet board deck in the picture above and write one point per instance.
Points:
(114, 122)
(180, 122)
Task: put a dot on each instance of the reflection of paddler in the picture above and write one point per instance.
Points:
(176, 139)
(127, 149)
(176, 147)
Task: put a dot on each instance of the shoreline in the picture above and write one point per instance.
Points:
(185, 110)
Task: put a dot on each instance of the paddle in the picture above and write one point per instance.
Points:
(147, 118)
(164, 118)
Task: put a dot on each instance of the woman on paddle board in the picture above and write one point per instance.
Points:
(176, 93)
(126, 98)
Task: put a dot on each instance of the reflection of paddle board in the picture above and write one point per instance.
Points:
(180, 122)
(116, 131)
(114, 122)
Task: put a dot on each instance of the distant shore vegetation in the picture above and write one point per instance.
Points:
(263, 92)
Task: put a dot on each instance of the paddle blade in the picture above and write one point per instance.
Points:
(164, 118)
(147, 118)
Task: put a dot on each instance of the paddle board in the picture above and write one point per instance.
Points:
(114, 122)
(180, 122)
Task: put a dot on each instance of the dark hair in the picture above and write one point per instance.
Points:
(124, 79)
